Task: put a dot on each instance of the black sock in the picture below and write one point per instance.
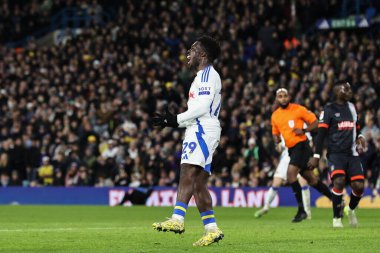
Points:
(354, 201)
(337, 203)
(298, 194)
(322, 188)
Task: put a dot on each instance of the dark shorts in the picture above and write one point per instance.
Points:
(346, 165)
(300, 155)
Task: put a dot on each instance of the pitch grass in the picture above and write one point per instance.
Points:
(128, 229)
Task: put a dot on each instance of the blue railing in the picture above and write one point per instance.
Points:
(69, 17)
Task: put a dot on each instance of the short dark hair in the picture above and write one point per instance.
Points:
(340, 82)
(211, 46)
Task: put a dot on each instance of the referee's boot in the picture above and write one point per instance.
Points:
(300, 216)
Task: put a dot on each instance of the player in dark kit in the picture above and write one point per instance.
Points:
(338, 122)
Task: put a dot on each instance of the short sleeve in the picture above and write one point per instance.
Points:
(325, 117)
(275, 130)
(307, 115)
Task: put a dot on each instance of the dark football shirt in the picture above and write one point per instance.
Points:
(341, 122)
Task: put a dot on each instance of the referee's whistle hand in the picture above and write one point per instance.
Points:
(298, 131)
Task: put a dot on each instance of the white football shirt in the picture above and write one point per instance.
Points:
(204, 102)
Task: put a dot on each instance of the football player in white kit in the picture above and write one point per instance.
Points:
(279, 178)
(201, 139)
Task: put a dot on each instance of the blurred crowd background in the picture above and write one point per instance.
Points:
(77, 113)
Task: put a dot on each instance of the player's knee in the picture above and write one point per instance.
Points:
(291, 179)
(188, 172)
(186, 180)
(292, 176)
(196, 187)
(199, 186)
(339, 182)
(358, 187)
(312, 180)
(310, 177)
(277, 182)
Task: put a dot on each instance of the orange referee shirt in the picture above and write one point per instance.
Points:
(285, 120)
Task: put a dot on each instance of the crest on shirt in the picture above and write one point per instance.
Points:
(337, 114)
(291, 123)
(191, 94)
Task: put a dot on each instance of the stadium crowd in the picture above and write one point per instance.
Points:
(77, 114)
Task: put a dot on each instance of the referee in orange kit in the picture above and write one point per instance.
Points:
(288, 120)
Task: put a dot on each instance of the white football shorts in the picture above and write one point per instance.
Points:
(199, 146)
(282, 167)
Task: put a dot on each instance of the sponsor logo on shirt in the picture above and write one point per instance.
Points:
(346, 125)
(204, 93)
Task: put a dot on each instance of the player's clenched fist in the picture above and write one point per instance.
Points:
(164, 120)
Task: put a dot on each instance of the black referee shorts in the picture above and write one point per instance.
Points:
(300, 154)
(346, 165)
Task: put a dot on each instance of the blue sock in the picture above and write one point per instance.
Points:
(208, 219)
(179, 211)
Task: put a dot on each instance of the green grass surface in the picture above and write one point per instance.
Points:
(128, 229)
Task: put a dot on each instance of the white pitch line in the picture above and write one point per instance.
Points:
(58, 229)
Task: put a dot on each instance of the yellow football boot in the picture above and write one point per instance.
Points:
(210, 236)
(170, 225)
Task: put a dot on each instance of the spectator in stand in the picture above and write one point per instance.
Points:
(83, 177)
(4, 180)
(15, 179)
(45, 172)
